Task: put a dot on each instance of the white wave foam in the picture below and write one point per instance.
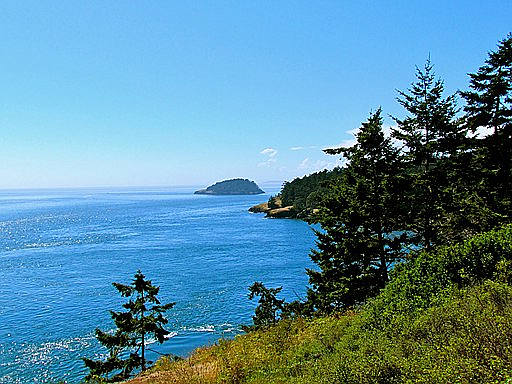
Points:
(209, 328)
(152, 340)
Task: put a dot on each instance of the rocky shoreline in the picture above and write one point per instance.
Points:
(275, 213)
(288, 212)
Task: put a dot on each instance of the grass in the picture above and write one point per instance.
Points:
(445, 317)
(465, 338)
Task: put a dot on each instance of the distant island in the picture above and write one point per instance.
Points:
(232, 187)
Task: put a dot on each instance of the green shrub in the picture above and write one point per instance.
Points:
(418, 283)
(445, 317)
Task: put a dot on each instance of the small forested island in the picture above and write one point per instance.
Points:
(232, 187)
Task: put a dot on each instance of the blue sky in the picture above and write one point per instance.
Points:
(162, 93)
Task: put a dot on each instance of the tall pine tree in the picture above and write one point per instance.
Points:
(489, 102)
(489, 106)
(358, 216)
(432, 138)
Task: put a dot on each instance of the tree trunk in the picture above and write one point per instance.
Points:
(143, 362)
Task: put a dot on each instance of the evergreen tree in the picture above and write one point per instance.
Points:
(343, 277)
(269, 306)
(127, 344)
(433, 139)
(489, 105)
(355, 245)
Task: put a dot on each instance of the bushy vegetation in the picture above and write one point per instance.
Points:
(445, 317)
(418, 283)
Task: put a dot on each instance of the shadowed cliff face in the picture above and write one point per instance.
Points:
(232, 187)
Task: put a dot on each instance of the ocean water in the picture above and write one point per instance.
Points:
(60, 251)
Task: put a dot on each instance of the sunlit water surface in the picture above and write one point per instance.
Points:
(61, 250)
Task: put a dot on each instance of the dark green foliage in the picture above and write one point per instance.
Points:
(305, 193)
(433, 139)
(358, 216)
(489, 106)
(143, 318)
(344, 276)
(489, 103)
(269, 306)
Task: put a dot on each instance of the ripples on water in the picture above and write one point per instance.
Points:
(61, 250)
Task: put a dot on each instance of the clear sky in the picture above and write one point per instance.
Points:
(157, 93)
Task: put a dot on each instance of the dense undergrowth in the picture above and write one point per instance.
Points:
(445, 317)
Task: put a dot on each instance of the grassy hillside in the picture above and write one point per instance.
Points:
(445, 317)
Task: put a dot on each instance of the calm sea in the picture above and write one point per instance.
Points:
(61, 250)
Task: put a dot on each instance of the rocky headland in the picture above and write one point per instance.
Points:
(275, 213)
